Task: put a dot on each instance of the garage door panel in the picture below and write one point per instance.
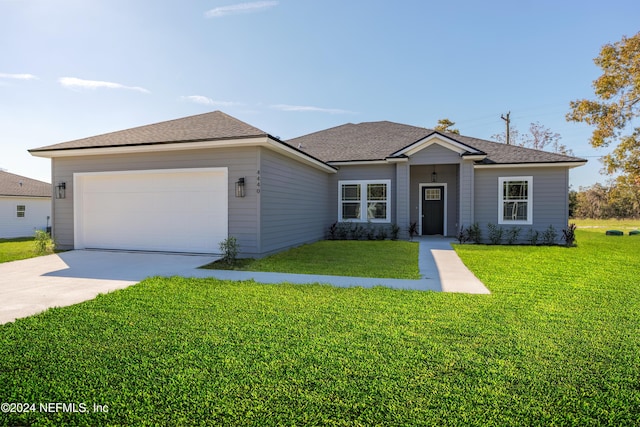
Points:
(178, 211)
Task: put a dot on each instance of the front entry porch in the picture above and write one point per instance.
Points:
(434, 199)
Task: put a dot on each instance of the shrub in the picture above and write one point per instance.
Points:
(395, 231)
(342, 231)
(495, 233)
(549, 236)
(413, 230)
(569, 235)
(229, 248)
(44, 243)
(463, 235)
(357, 232)
(533, 236)
(512, 235)
(333, 231)
(475, 233)
(370, 232)
(382, 233)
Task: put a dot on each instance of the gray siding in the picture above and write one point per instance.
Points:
(550, 197)
(446, 174)
(403, 199)
(466, 194)
(294, 202)
(241, 162)
(434, 154)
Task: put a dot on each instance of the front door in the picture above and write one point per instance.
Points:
(433, 210)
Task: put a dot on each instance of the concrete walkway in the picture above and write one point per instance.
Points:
(32, 285)
(440, 267)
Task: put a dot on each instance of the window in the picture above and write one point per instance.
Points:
(515, 196)
(20, 211)
(432, 194)
(364, 201)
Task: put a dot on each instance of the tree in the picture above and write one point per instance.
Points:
(618, 102)
(445, 125)
(538, 138)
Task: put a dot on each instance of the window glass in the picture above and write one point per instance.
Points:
(432, 194)
(20, 211)
(376, 191)
(351, 192)
(377, 210)
(350, 211)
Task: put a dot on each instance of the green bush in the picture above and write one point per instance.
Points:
(229, 248)
(44, 244)
(495, 233)
(549, 236)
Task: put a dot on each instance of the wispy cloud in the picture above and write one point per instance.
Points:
(76, 83)
(18, 76)
(284, 107)
(199, 99)
(240, 8)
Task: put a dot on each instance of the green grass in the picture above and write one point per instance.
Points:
(611, 224)
(16, 249)
(386, 259)
(556, 343)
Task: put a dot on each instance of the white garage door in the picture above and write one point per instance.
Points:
(175, 210)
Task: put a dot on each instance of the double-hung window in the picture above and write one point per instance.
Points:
(515, 195)
(363, 201)
(20, 211)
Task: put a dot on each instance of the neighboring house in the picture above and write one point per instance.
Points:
(185, 185)
(25, 205)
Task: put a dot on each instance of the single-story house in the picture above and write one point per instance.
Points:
(25, 205)
(185, 185)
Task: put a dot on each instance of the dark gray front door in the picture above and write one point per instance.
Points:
(433, 210)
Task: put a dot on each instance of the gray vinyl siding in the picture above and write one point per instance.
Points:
(466, 194)
(434, 154)
(241, 162)
(550, 197)
(446, 174)
(364, 173)
(402, 198)
(294, 202)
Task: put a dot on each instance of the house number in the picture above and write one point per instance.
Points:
(258, 182)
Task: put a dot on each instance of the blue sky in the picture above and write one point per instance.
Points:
(76, 68)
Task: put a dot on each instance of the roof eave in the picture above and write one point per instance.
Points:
(231, 142)
(566, 164)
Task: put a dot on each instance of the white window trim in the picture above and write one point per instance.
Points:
(501, 181)
(363, 199)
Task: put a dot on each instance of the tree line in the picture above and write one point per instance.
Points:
(617, 199)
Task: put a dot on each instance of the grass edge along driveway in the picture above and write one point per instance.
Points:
(556, 343)
(378, 259)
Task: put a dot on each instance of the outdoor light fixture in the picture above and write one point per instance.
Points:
(61, 190)
(434, 175)
(240, 187)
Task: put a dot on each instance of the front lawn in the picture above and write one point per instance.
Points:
(388, 259)
(16, 249)
(556, 343)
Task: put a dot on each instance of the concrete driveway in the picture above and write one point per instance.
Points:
(32, 285)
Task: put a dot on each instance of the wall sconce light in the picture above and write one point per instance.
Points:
(240, 187)
(434, 175)
(61, 190)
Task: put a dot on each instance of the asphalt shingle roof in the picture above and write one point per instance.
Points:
(20, 186)
(378, 140)
(203, 127)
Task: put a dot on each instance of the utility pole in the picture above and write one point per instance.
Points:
(508, 121)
